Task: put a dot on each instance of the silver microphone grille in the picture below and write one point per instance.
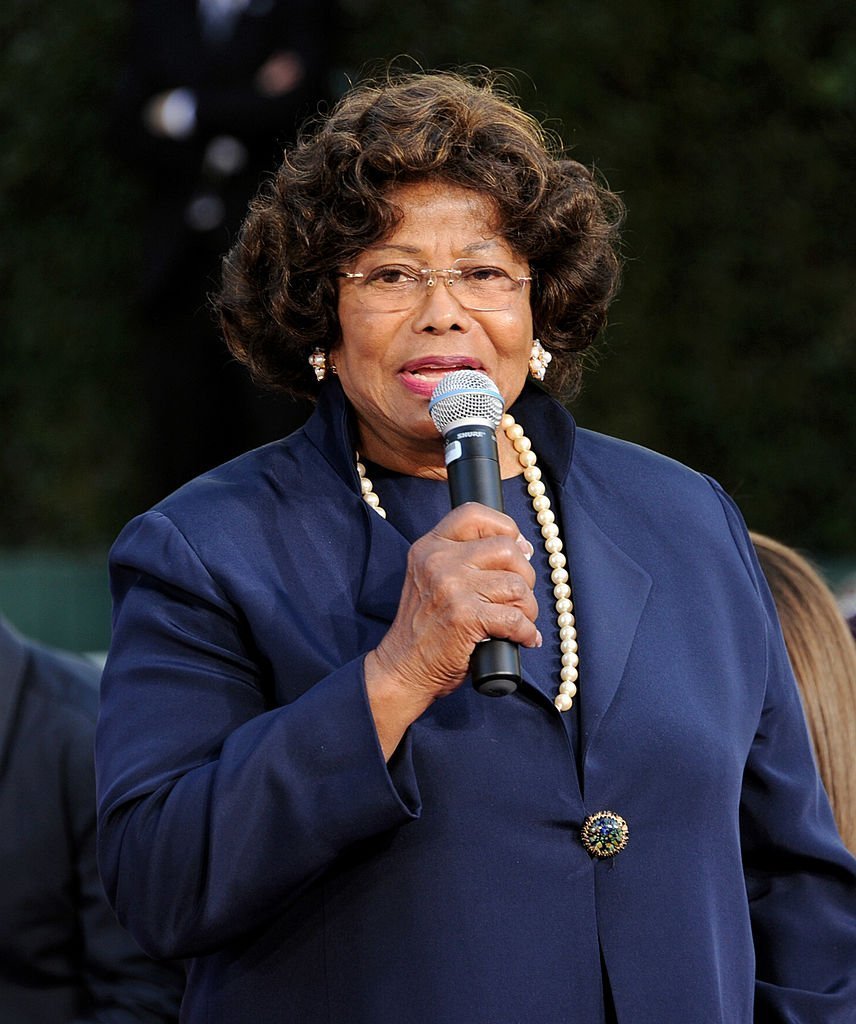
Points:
(465, 396)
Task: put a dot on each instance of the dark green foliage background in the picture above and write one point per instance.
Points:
(727, 127)
(70, 421)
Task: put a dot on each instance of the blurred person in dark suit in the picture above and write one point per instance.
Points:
(211, 91)
(63, 955)
(823, 656)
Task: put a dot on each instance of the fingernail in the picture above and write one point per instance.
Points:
(525, 547)
(539, 639)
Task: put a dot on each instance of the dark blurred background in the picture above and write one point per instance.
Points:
(728, 127)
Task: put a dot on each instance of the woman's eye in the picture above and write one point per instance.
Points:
(391, 276)
(484, 273)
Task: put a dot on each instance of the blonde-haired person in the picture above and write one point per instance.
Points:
(823, 656)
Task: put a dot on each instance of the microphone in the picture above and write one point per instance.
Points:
(466, 408)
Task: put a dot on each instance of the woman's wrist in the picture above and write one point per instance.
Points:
(394, 704)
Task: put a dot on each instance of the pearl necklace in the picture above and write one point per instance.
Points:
(552, 544)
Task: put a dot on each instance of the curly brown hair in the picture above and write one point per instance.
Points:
(329, 201)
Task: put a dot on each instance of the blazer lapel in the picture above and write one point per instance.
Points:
(331, 431)
(386, 565)
(610, 593)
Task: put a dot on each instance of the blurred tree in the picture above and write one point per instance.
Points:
(69, 418)
(728, 127)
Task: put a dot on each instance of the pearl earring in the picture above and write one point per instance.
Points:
(318, 362)
(539, 360)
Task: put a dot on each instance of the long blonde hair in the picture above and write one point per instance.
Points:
(823, 655)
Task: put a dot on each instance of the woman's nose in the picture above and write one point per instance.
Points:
(440, 311)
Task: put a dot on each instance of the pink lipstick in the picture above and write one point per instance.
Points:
(421, 375)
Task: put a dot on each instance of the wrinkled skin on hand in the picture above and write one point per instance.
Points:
(467, 579)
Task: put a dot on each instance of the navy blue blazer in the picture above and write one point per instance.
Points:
(248, 820)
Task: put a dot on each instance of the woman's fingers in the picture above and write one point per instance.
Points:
(484, 583)
(473, 521)
(484, 539)
(452, 563)
(467, 580)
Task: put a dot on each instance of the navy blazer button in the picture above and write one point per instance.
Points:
(604, 834)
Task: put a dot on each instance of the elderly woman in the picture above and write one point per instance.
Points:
(298, 792)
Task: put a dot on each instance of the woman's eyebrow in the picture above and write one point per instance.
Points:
(404, 250)
(414, 250)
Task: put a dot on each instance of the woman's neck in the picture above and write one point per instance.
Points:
(426, 458)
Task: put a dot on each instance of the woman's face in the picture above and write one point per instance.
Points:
(390, 362)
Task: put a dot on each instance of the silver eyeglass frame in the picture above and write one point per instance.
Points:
(451, 275)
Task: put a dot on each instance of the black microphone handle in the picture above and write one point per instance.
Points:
(472, 462)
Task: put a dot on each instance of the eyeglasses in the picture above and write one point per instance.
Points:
(395, 287)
